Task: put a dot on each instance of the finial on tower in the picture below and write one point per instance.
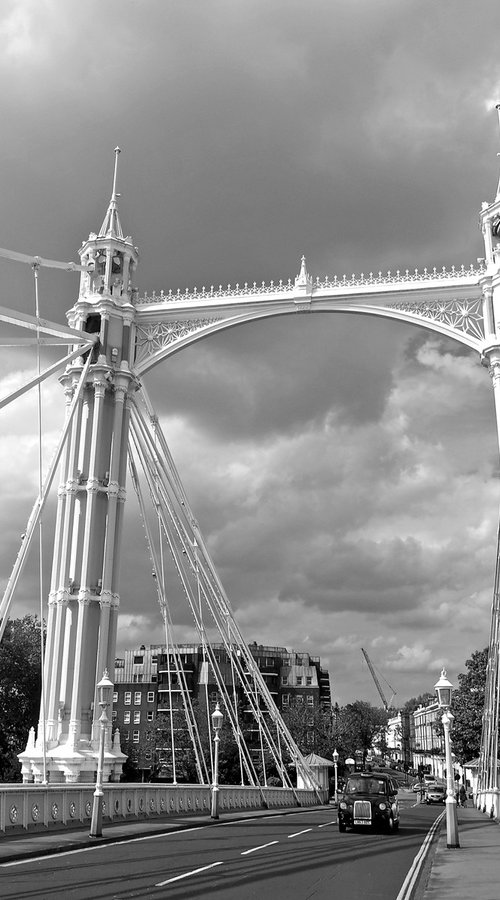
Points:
(111, 226)
(303, 279)
(497, 107)
(117, 153)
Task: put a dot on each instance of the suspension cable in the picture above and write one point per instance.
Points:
(40, 531)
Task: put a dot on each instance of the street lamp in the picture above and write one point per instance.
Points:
(104, 692)
(443, 690)
(335, 764)
(217, 718)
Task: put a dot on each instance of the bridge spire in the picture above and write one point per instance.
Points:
(303, 280)
(497, 107)
(111, 226)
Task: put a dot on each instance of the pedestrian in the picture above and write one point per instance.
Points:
(462, 794)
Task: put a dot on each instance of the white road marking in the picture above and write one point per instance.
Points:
(134, 840)
(89, 847)
(333, 822)
(187, 874)
(300, 832)
(411, 877)
(262, 846)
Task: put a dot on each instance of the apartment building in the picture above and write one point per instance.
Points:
(150, 681)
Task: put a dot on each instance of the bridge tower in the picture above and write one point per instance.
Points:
(489, 786)
(84, 592)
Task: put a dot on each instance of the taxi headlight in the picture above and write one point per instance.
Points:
(382, 806)
(343, 804)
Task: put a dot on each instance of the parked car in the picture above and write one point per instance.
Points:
(435, 793)
(369, 800)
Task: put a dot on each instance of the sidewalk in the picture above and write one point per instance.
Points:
(473, 870)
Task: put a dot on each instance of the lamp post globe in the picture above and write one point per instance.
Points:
(217, 719)
(444, 689)
(104, 694)
(335, 757)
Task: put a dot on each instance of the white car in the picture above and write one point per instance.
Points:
(436, 793)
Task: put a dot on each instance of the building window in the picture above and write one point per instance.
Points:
(299, 680)
(127, 697)
(299, 700)
(150, 715)
(154, 677)
(151, 697)
(137, 717)
(114, 714)
(138, 659)
(126, 735)
(136, 737)
(285, 700)
(148, 755)
(309, 679)
(126, 718)
(310, 700)
(284, 679)
(137, 698)
(115, 696)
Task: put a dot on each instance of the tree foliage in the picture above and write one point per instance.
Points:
(358, 726)
(20, 689)
(311, 729)
(414, 703)
(467, 707)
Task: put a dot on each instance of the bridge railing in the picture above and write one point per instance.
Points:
(28, 807)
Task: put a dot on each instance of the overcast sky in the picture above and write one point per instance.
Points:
(344, 470)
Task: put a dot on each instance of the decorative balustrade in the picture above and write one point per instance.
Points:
(334, 282)
(26, 807)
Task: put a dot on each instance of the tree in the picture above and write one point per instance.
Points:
(311, 729)
(20, 690)
(359, 725)
(414, 703)
(467, 707)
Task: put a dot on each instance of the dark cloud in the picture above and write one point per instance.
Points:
(341, 467)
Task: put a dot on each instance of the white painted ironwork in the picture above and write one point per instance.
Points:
(134, 334)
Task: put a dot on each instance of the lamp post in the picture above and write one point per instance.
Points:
(335, 765)
(104, 692)
(443, 690)
(217, 718)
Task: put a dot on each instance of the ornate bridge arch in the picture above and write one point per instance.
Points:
(117, 338)
(450, 303)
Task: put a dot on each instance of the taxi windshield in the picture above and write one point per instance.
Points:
(365, 786)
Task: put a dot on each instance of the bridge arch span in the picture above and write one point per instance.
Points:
(169, 328)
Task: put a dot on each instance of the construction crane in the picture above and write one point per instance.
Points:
(387, 705)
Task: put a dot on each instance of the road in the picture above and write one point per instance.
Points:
(296, 855)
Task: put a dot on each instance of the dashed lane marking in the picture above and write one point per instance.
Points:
(187, 874)
(296, 834)
(262, 847)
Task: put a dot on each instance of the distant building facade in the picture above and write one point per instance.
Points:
(148, 684)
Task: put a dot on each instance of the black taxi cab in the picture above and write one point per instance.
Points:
(369, 800)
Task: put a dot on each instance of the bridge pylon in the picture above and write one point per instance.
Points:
(84, 593)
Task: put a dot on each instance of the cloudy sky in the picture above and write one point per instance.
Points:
(343, 470)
